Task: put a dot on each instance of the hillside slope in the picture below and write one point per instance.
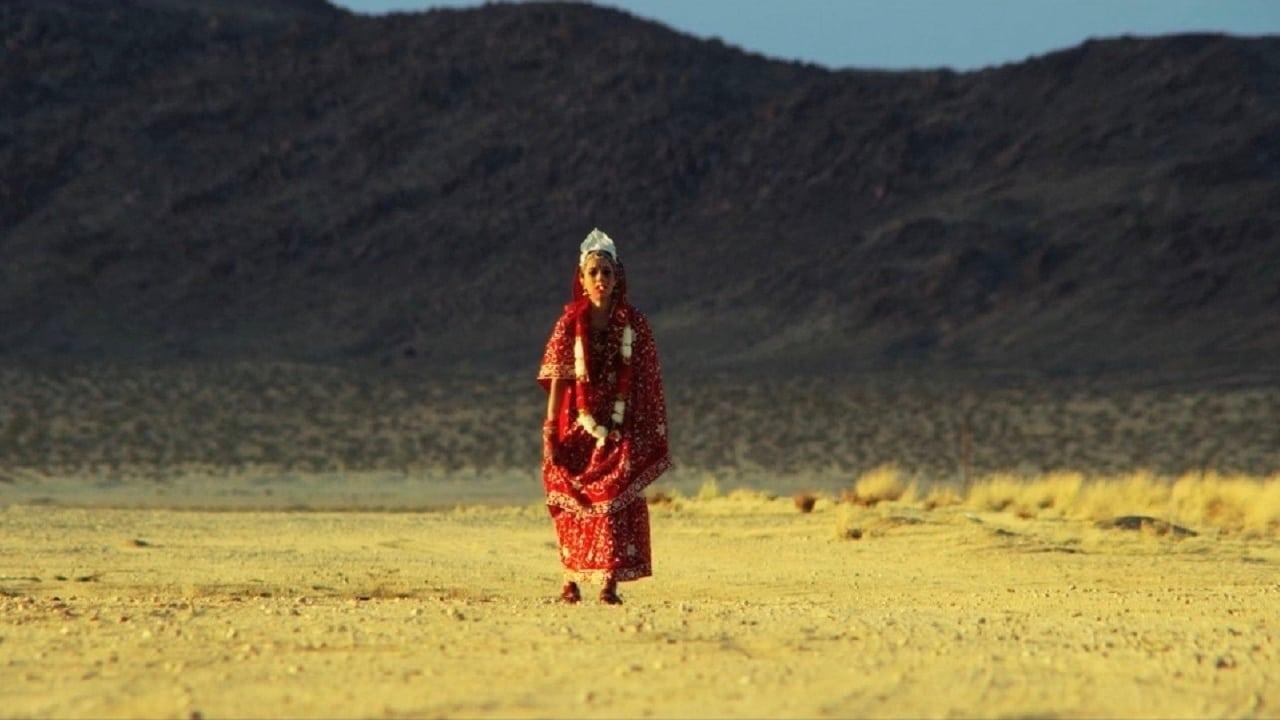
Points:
(186, 179)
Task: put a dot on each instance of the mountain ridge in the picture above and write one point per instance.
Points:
(187, 181)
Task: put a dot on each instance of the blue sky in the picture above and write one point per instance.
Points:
(961, 34)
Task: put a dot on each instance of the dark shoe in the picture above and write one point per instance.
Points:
(569, 594)
(609, 595)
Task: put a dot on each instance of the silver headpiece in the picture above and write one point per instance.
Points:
(597, 241)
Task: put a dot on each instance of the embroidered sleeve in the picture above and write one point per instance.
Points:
(557, 358)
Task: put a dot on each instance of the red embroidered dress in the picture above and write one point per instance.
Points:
(594, 493)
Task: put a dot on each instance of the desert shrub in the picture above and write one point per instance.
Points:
(1050, 495)
(848, 522)
(1137, 493)
(881, 483)
(710, 488)
(994, 492)
(941, 496)
(1238, 502)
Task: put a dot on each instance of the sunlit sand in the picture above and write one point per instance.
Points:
(756, 609)
(272, 540)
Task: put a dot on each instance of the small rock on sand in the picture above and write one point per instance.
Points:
(1148, 524)
(804, 502)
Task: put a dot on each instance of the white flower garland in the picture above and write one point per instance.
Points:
(579, 360)
(585, 419)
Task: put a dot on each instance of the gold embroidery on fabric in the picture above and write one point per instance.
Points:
(555, 371)
(600, 576)
(609, 507)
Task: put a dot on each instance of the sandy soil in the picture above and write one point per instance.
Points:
(756, 610)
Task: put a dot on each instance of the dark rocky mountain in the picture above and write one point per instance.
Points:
(290, 181)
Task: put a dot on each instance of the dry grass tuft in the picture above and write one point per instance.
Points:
(710, 489)
(848, 522)
(996, 492)
(941, 496)
(1236, 503)
(659, 497)
(880, 484)
(1248, 504)
(1138, 493)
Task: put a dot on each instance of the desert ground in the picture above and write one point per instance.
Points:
(910, 608)
(263, 540)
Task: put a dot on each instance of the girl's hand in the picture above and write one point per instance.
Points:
(549, 438)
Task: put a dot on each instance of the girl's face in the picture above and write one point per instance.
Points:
(598, 278)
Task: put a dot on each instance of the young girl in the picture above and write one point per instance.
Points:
(605, 436)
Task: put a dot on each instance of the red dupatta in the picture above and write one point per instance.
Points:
(580, 477)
